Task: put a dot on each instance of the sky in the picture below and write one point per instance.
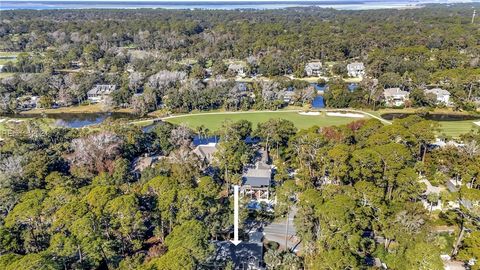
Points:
(175, 0)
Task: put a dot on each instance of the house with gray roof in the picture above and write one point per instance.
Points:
(206, 151)
(256, 180)
(395, 97)
(356, 69)
(314, 68)
(100, 92)
(143, 162)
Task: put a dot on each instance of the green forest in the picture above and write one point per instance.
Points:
(70, 198)
(167, 54)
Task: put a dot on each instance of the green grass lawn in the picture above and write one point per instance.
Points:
(456, 128)
(214, 121)
(449, 128)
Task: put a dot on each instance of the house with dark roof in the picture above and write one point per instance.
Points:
(100, 92)
(27, 102)
(288, 95)
(245, 256)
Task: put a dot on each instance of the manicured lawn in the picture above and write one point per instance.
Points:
(449, 128)
(456, 128)
(214, 121)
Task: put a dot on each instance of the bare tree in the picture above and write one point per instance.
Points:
(11, 170)
(181, 136)
(95, 152)
(471, 149)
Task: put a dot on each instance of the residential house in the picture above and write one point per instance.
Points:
(206, 152)
(245, 255)
(454, 185)
(100, 92)
(439, 143)
(288, 95)
(356, 69)
(314, 68)
(237, 68)
(442, 96)
(431, 190)
(256, 180)
(142, 163)
(27, 102)
(395, 97)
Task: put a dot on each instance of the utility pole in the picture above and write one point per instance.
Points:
(286, 228)
(473, 16)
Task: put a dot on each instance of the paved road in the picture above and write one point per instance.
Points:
(276, 232)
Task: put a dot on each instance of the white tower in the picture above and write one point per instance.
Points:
(473, 16)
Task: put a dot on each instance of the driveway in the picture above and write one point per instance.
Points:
(276, 231)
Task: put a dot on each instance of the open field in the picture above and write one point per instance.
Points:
(213, 121)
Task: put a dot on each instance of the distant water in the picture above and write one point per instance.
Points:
(226, 5)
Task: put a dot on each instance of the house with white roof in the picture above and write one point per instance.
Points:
(314, 68)
(395, 97)
(442, 96)
(356, 69)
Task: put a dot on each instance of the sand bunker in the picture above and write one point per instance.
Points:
(309, 113)
(477, 123)
(353, 115)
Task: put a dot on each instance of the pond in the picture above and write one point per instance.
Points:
(318, 102)
(77, 120)
(432, 116)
